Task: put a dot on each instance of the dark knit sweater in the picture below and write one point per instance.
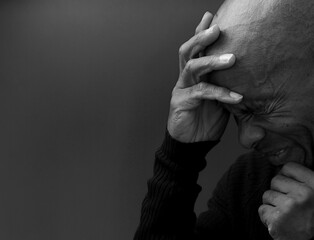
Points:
(168, 208)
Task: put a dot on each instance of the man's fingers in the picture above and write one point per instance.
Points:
(205, 22)
(298, 172)
(268, 215)
(195, 68)
(197, 44)
(210, 35)
(275, 198)
(190, 98)
(283, 184)
(206, 91)
(203, 25)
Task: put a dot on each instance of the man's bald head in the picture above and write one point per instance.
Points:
(271, 39)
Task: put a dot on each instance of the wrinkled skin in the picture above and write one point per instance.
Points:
(273, 42)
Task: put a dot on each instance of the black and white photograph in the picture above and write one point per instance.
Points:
(156, 120)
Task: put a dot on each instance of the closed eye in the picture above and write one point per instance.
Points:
(244, 114)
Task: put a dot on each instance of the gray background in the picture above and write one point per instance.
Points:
(84, 93)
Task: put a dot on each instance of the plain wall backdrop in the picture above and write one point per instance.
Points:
(84, 93)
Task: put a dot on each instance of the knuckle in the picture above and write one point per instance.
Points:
(274, 182)
(174, 92)
(217, 91)
(200, 87)
(266, 195)
(210, 62)
(191, 91)
(175, 97)
(198, 37)
(182, 50)
(261, 211)
(197, 29)
(197, 90)
(306, 194)
(189, 66)
(173, 102)
(289, 203)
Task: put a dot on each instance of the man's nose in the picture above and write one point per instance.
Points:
(250, 135)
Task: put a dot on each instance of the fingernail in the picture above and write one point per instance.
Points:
(235, 96)
(226, 58)
(204, 16)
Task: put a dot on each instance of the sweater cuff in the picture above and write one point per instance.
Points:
(191, 155)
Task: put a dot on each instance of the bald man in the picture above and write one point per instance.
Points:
(254, 60)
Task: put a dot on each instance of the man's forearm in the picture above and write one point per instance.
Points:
(168, 208)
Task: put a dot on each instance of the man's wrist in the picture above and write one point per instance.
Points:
(186, 154)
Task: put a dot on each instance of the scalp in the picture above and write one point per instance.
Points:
(270, 38)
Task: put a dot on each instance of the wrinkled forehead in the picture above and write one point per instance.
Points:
(272, 41)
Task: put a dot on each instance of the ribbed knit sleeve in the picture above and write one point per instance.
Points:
(168, 208)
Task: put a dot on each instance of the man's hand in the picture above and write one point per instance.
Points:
(192, 116)
(288, 208)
